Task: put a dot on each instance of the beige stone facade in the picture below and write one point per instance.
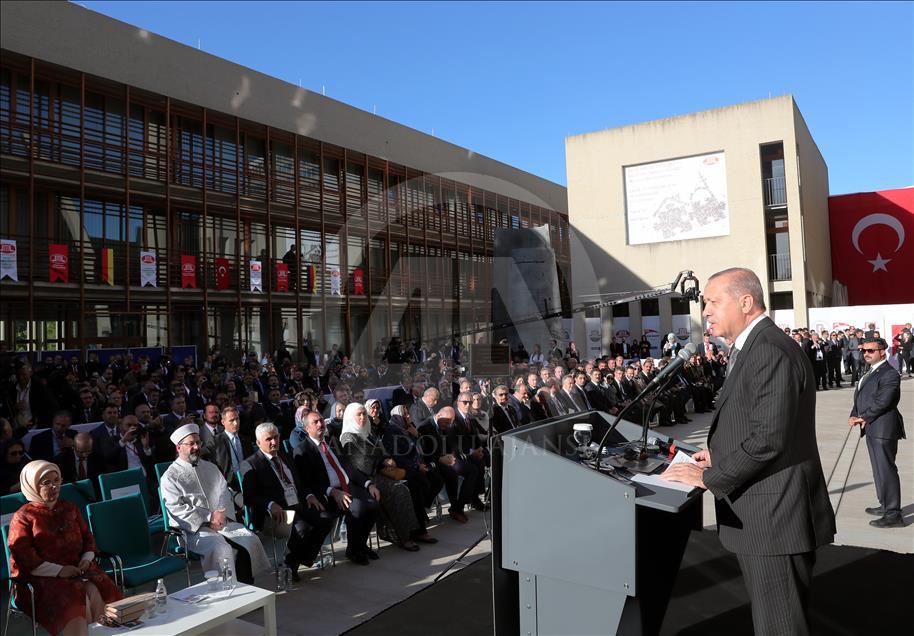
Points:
(791, 202)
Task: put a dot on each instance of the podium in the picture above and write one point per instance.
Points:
(576, 551)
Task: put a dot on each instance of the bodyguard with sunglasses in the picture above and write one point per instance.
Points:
(876, 411)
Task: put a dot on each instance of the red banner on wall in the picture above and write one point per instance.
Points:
(222, 273)
(188, 271)
(282, 277)
(872, 245)
(59, 257)
(358, 281)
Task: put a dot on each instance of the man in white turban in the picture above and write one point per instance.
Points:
(198, 503)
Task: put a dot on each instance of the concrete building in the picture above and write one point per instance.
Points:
(743, 185)
(125, 150)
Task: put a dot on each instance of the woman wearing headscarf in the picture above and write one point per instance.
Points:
(13, 459)
(366, 454)
(299, 434)
(423, 481)
(51, 548)
(376, 417)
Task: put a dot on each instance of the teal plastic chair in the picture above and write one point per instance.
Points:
(129, 482)
(119, 526)
(173, 544)
(287, 446)
(80, 493)
(9, 504)
(11, 582)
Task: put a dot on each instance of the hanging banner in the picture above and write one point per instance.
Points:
(188, 271)
(335, 281)
(148, 269)
(310, 279)
(59, 262)
(8, 262)
(594, 330)
(108, 266)
(621, 332)
(682, 327)
(650, 327)
(222, 273)
(282, 277)
(358, 281)
(256, 276)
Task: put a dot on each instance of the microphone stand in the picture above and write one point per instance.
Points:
(661, 388)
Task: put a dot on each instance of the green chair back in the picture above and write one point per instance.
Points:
(5, 565)
(76, 493)
(161, 467)
(9, 504)
(119, 526)
(129, 482)
(287, 446)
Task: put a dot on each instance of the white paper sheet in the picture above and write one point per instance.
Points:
(658, 481)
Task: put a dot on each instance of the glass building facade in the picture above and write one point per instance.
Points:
(109, 171)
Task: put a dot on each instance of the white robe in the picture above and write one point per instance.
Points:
(191, 495)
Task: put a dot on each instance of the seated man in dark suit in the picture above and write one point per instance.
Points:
(179, 415)
(277, 413)
(88, 411)
(212, 443)
(273, 484)
(78, 463)
(432, 445)
(48, 443)
(109, 428)
(504, 417)
(462, 441)
(595, 392)
(336, 487)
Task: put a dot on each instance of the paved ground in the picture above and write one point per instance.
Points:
(337, 599)
(846, 465)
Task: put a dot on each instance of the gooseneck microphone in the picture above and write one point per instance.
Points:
(673, 367)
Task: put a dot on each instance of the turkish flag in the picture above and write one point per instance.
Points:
(358, 281)
(188, 271)
(282, 277)
(222, 273)
(59, 257)
(872, 245)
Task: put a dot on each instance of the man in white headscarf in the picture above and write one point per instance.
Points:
(199, 503)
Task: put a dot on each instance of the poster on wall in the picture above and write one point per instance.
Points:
(784, 318)
(677, 199)
(621, 333)
(594, 330)
(147, 269)
(256, 276)
(887, 319)
(650, 326)
(682, 327)
(567, 333)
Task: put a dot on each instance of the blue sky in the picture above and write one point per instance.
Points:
(512, 80)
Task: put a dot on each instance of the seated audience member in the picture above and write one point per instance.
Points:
(504, 418)
(596, 392)
(334, 425)
(51, 547)
(110, 427)
(336, 487)
(424, 482)
(274, 483)
(543, 406)
(365, 454)
(88, 411)
(480, 417)
(376, 418)
(462, 441)
(199, 503)
(432, 434)
(424, 407)
(298, 434)
(14, 458)
(520, 401)
(48, 443)
(79, 462)
(213, 447)
(237, 446)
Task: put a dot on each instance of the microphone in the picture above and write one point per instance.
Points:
(673, 367)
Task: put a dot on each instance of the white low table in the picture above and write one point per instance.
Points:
(191, 619)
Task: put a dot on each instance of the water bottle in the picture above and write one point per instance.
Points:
(227, 579)
(343, 533)
(161, 597)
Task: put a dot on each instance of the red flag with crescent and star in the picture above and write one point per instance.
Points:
(872, 245)
(222, 273)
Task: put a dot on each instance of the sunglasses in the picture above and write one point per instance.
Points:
(870, 350)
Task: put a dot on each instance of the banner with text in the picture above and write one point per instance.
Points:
(148, 269)
(282, 277)
(650, 326)
(59, 262)
(8, 262)
(594, 330)
(188, 271)
(256, 276)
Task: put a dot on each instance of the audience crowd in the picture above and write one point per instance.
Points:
(373, 442)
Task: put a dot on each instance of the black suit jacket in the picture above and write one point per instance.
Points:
(80, 416)
(597, 396)
(42, 444)
(214, 448)
(69, 472)
(313, 472)
(766, 475)
(41, 403)
(499, 422)
(261, 486)
(401, 397)
(876, 401)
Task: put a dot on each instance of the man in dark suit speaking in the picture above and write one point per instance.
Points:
(875, 411)
(762, 462)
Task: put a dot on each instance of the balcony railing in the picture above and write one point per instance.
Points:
(775, 192)
(779, 266)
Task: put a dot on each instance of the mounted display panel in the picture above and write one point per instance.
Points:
(677, 199)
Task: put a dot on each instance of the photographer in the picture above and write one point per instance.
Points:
(131, 450)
